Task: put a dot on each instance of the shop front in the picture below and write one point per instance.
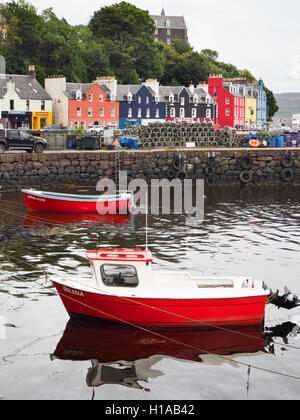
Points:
(18, 119)
(41, 120)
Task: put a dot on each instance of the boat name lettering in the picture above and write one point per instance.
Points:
(73, 292)
(37, 198)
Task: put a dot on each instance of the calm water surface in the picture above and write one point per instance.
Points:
(45, 356)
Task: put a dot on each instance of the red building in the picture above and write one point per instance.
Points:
(92, 104)
(230, 100)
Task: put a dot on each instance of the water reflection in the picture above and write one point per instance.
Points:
(125, 355)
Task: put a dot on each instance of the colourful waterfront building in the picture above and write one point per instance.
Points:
(230, 99)
(140, 104)
(262, 103)
(24, 102)
(84, 104)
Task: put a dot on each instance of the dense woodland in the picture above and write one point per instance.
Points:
(118, 40)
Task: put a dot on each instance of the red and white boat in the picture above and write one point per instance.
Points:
(58, 202)
(125, 289)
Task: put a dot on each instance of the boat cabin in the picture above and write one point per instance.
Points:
(120, 267)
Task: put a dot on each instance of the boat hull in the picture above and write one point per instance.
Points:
(158, 312)
(50, 204)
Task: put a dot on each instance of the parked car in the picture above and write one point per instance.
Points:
(95, 129)
(11, 139)
(51, 128)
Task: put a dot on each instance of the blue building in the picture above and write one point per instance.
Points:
(140, 104)
(261, 112)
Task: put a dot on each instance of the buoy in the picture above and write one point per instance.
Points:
(254, 143)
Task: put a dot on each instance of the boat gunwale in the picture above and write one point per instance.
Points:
(77, 197)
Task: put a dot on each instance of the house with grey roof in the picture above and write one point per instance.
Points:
(168, 28)
(84, 104)
(188, 104)
(140, 104)
(24, 102)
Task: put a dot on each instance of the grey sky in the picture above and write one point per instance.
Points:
(259, 35)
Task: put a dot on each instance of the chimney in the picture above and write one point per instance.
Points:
(31, 71)
(110, 82)
(153, 84)
(192, 88)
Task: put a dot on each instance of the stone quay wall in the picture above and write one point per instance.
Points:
(223, 167)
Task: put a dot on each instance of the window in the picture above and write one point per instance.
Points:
(139, 113)
(208, 113)
(147, 99)
(90, 97)
(114, 275)
(139, 99)
(27, 105)
(227, 101)
(101, 112)
(42, 105)
(78, 111)
(101, 98)
(129, 112)
(171, 98)
(172, 112)
(83, 124)
(168, 32)
(12, 104)
(90, 111)
(157, 113)
(195, 99)
(129, 97)
(227, 112)
(113, 112)
(167, 23)
(181, 113)
(194, 112)
(148, 113)
(76, 124)
(168, 41)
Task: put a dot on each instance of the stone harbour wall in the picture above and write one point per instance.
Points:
(223, 167)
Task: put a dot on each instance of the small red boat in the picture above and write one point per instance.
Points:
(125, 289)
(58, 202)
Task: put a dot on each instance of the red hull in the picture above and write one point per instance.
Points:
(167, 312)
(35, 203)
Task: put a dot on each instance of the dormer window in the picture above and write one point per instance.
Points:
(195, 99)
(129, 97)
(156, 99)
(167, 23)
(171, 98)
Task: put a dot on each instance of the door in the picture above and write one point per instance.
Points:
(25, 139)
(13, 138)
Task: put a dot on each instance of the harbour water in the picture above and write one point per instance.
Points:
(43, 355)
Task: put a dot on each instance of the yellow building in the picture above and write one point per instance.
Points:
(41, 119)
(250, 110)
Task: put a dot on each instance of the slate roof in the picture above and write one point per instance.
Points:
(26, 87)
(176, 22)
(123, 90)
(72, 88)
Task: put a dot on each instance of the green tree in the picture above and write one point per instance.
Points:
(272, 106)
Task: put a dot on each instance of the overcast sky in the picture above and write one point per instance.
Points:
(259, 35)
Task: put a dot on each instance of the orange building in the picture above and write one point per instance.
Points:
(92, 104)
